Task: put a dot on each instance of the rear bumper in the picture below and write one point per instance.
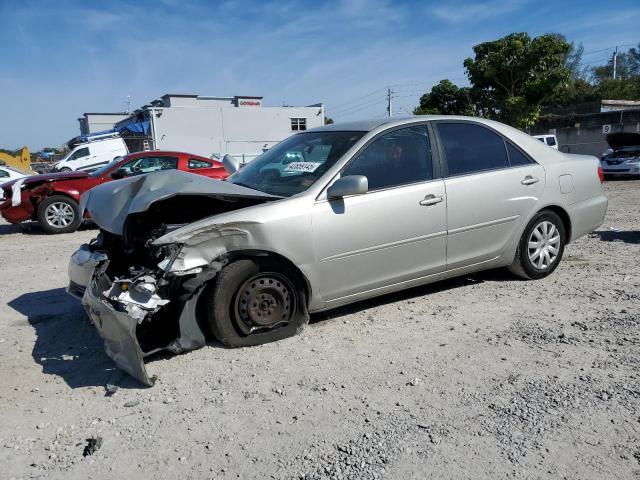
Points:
(627, 168)
(587, 215)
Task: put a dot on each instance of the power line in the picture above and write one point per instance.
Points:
(377, 102)
(361, 97)
(610, 48)
(342, 110)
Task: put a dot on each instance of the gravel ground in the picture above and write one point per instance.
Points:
(483, 376)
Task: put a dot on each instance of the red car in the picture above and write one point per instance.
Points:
(52, 199)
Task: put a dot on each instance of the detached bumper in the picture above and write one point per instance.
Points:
(125, 312)
(81, 267)
(118, 330)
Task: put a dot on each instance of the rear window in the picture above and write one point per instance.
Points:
(197, 163)
(471, 148)
(551, 141)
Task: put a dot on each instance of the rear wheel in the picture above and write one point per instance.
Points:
(59, 214)
(541, 246)
(252, 304)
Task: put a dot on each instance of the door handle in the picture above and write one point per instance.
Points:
(430, 200)
(529, 180)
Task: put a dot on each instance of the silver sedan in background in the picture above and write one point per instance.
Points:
(327, 217)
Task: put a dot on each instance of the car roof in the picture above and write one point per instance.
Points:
(538, 150)
(167, 152)
(368, 125)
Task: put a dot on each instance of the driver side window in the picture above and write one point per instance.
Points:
(396, 158)
(150, 164)
(83, 152)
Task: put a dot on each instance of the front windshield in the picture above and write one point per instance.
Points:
(296, 163)
(105, 168)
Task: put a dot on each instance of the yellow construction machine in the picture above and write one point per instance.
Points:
(22, 161)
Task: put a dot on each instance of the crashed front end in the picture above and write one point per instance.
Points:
(141, 294)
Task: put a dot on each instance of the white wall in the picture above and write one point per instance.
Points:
(237, 131)
(99, 123)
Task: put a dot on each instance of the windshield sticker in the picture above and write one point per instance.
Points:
(306, 167)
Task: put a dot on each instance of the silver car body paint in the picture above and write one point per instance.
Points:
(375, 243)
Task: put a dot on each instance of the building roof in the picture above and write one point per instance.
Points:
(105, 113)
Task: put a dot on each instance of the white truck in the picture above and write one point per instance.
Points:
(90, 152)
(548, 140)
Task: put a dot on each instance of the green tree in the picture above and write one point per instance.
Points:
(328, 120)
(513, 76)
(445, 98)
(619, 89)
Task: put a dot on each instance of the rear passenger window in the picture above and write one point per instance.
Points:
(516, 157)
(551, 141)
(396, 158)
(471, 148)
(195, 163)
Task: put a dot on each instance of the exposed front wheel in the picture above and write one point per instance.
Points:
(59, 214)
(252, 304)
(541, 246)
(65, 169)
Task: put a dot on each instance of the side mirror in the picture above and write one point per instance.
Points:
(118, 174)
(349, 185)
(230, 164)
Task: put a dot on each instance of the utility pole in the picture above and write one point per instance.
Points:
(389, 105)
(615, 62)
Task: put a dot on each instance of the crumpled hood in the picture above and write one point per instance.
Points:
(109, 204)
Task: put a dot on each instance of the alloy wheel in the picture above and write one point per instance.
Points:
(59, 215)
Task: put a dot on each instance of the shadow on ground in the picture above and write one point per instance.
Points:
(632, 236)
(32, 228)
(67, 345)
(496, 275)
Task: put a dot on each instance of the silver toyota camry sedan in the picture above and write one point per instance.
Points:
(327, 217)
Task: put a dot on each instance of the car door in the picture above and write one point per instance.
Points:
(492, 186)
(80, 158)
(394, 233)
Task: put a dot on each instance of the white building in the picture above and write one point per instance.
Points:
(98, 122)
(214, 126)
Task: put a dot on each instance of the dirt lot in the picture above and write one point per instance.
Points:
(479, 377)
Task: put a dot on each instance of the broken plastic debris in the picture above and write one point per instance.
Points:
(110, 389)
(92, 445)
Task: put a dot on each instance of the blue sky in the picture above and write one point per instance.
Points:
(59, 59)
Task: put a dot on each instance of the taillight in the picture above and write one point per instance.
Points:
(600, 173)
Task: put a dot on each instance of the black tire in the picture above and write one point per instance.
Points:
(236, 329)
(65, 169)
(69, 205)
(608, 176)
(522, 265)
